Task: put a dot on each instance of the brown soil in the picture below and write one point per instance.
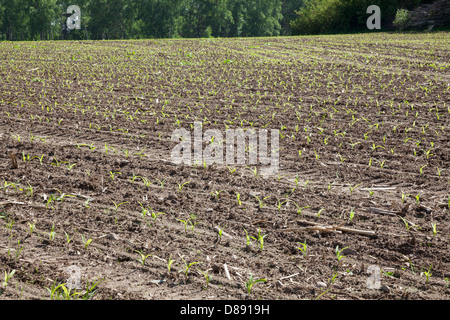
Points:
(369, 114)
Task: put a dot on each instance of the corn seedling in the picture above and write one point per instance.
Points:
(29, 191)
(407, 224)
(61, 292)
(10, 224)
(216, 193)
(68, 240)
(238, 198)
(70, 166)
(146, 182)
(185, 223)
(421, 169)
(116, 206)
(260, 239)
(57, 163)
(427, 274)
(19, 249)
(232, 170)
(143, 257)
(339, 254)
(192, 224)
(261, 201)
(254, 170)
(247, 237)
(63, 196)
(85, 241)
(169, 263)
(52, 233)
(181, 185)
(300, 209)
(303, 248)
(161, 182)
(220, 232)
(352, 215)
(320, 212)
(90, 289)
(31, 227)
(141, 153)
(251, 282)
(353, 189)
(156, 214)
(417, 198)
(207, 276)
(8, 276)
(434, 226)
(187, 266)
(404, 197)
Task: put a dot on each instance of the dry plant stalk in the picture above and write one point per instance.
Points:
(13, 159)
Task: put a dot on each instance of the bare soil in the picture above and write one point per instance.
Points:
(90, 125)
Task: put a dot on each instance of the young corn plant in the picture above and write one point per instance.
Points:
(434, 226)
(353, 189)
(407, 225)
(254, 170)
(352, 215)
(303, 248)
(232, 170)
(181, 185)
(261, 201)
(52, 233)
(116, 206)
(320, 212)
(260, 238)
(169, 263)
(143, 257)
(61, 292)
(85, 241)
(187, 266)
(8, 276)
(300, 209)
(216, 194)
(161, 182)
(427, 274)
(185, 223)
(247, 237)
(339, 254)
(417, 198)
(207, 276)
(31, 227)
(192, 222)
(238, 198)
(251, 282)
(279, 204)
(68, 240)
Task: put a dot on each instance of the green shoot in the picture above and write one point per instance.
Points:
(8, 276)
(143, 257)
(187, 266)
(251, 282)
(339, 254)
(85, 242)
(303, 248)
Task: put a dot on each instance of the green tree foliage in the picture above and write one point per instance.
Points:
(339, 16)
(134, 19)
(262, 18)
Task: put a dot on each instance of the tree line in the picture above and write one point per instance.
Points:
(137, 19)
